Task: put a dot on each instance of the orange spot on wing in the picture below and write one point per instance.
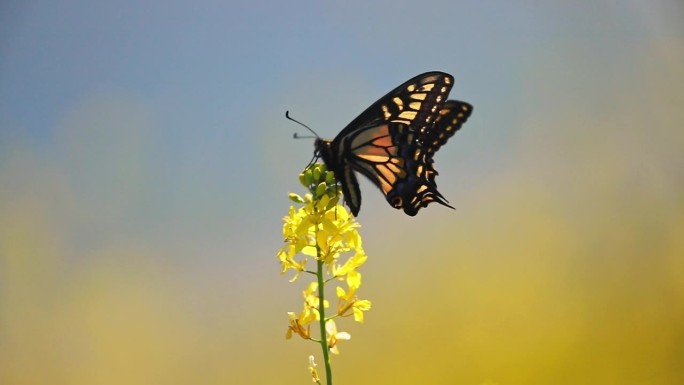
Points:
(375, 158)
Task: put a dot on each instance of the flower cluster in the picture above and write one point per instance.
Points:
(323, 231)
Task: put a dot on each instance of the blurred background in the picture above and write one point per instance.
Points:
(145, 162)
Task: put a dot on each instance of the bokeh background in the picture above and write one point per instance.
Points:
(145, 163)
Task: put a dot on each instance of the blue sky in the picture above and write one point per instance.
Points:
(157, 129)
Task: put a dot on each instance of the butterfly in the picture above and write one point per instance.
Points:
(393, 141)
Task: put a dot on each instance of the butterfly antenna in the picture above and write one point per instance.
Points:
(287, 115)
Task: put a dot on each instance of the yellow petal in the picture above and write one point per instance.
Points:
(310, 251)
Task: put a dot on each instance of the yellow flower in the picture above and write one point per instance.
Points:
(325, 231)
(334, 336)
(286, 256)
(349, 301)
(296, 327)
(359, 307)
(311, 302)
(313, 371)
(354, 262)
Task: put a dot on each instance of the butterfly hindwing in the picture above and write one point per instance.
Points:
(336, 162)
(392, 143)
(419, 188)
(451, 117)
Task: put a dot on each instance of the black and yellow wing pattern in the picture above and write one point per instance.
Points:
(393, 141)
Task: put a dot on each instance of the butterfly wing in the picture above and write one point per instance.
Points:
(420, 189)
(392, 143)
(409, 103)
(451, 117)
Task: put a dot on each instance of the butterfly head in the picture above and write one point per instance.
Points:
(323, 150)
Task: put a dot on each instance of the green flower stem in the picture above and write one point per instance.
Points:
(321, 313)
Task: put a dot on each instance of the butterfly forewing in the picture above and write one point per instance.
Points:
(412, 103)
(392, 143)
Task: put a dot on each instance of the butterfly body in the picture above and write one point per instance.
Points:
(393, 141)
